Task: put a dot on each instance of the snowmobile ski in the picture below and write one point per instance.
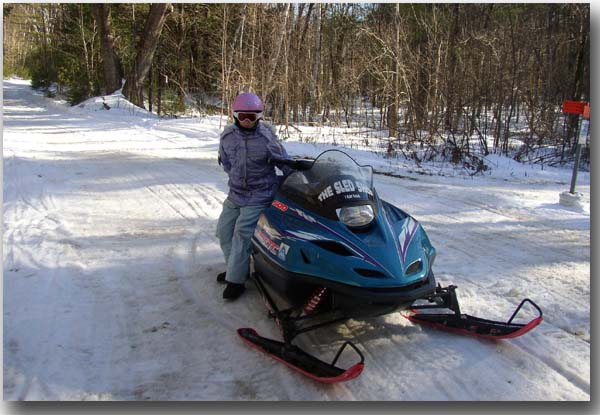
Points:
(465, 324)
(302, 362)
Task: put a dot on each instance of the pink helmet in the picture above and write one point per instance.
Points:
(247, 101)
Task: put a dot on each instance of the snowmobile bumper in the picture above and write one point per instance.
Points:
(300, 361)
(357, 301)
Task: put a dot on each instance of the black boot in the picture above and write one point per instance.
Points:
(221, 278)
(233, 291)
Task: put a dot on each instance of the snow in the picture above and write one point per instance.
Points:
(110, 262)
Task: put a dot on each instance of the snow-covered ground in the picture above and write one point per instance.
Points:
(110, 262)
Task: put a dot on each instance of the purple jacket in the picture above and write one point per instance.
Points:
(249, 158)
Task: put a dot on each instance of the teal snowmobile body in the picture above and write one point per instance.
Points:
(329, 248)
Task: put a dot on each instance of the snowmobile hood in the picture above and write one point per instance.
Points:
(302, 233)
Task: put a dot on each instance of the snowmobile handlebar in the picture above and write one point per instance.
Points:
(296, 164)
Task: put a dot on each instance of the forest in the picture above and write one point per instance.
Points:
(426, 81)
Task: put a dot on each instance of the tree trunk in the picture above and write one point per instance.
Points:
(392, 118)
(451, 77)
(159, 94)
(275, 60)
(315, 90)
(86, 54)
(224, 76)
(110, 60)
(578, 84)
(133, 89)
(150, 88)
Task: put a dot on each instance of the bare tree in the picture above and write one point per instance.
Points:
(110, 61)
(393, 105)
(133, 89)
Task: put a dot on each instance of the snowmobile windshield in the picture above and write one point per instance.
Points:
(333, 181)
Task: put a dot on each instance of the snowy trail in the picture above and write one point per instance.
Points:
(522, 257)
(110, 259)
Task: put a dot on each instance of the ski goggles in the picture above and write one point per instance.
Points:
(250, 116)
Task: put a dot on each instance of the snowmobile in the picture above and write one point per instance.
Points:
(330, 249)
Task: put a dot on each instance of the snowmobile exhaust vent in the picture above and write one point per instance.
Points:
(333, 246)
(304, 257)
(370, 273)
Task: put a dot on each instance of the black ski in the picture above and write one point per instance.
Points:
(302, 362)
(465, 324)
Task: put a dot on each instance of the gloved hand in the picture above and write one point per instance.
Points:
(296, 164)
(302, 164)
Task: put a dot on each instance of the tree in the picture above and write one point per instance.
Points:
(393, 105)
(431, 75)
(134, 85)
(110, 61)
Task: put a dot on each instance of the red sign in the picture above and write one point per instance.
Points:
(573, 107)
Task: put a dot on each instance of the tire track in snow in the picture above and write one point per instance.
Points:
(408, 356)
(212, 197)
(167, 201)
(376, 367)
(204, 295)
(194, 289)
(38, 241)
(570, 376)
(208, 195)
(183, 199)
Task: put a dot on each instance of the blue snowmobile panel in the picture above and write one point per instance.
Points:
(393, 252)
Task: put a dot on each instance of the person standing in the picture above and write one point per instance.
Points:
(248, 151)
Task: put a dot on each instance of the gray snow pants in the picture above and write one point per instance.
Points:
(235, 229)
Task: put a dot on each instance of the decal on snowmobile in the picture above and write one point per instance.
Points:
(409, 229)
(359, 252)
(265, 241)
(281, 206)
(264, 224)
(344, 186)
(354, 248)
(325, 194)
(303, 215)
(349, 188)
(283, 250)
(305, 236)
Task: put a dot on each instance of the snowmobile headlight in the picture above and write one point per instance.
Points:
(356, 216)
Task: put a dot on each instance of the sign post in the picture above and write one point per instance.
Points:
(581, 108)
(583, 132)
